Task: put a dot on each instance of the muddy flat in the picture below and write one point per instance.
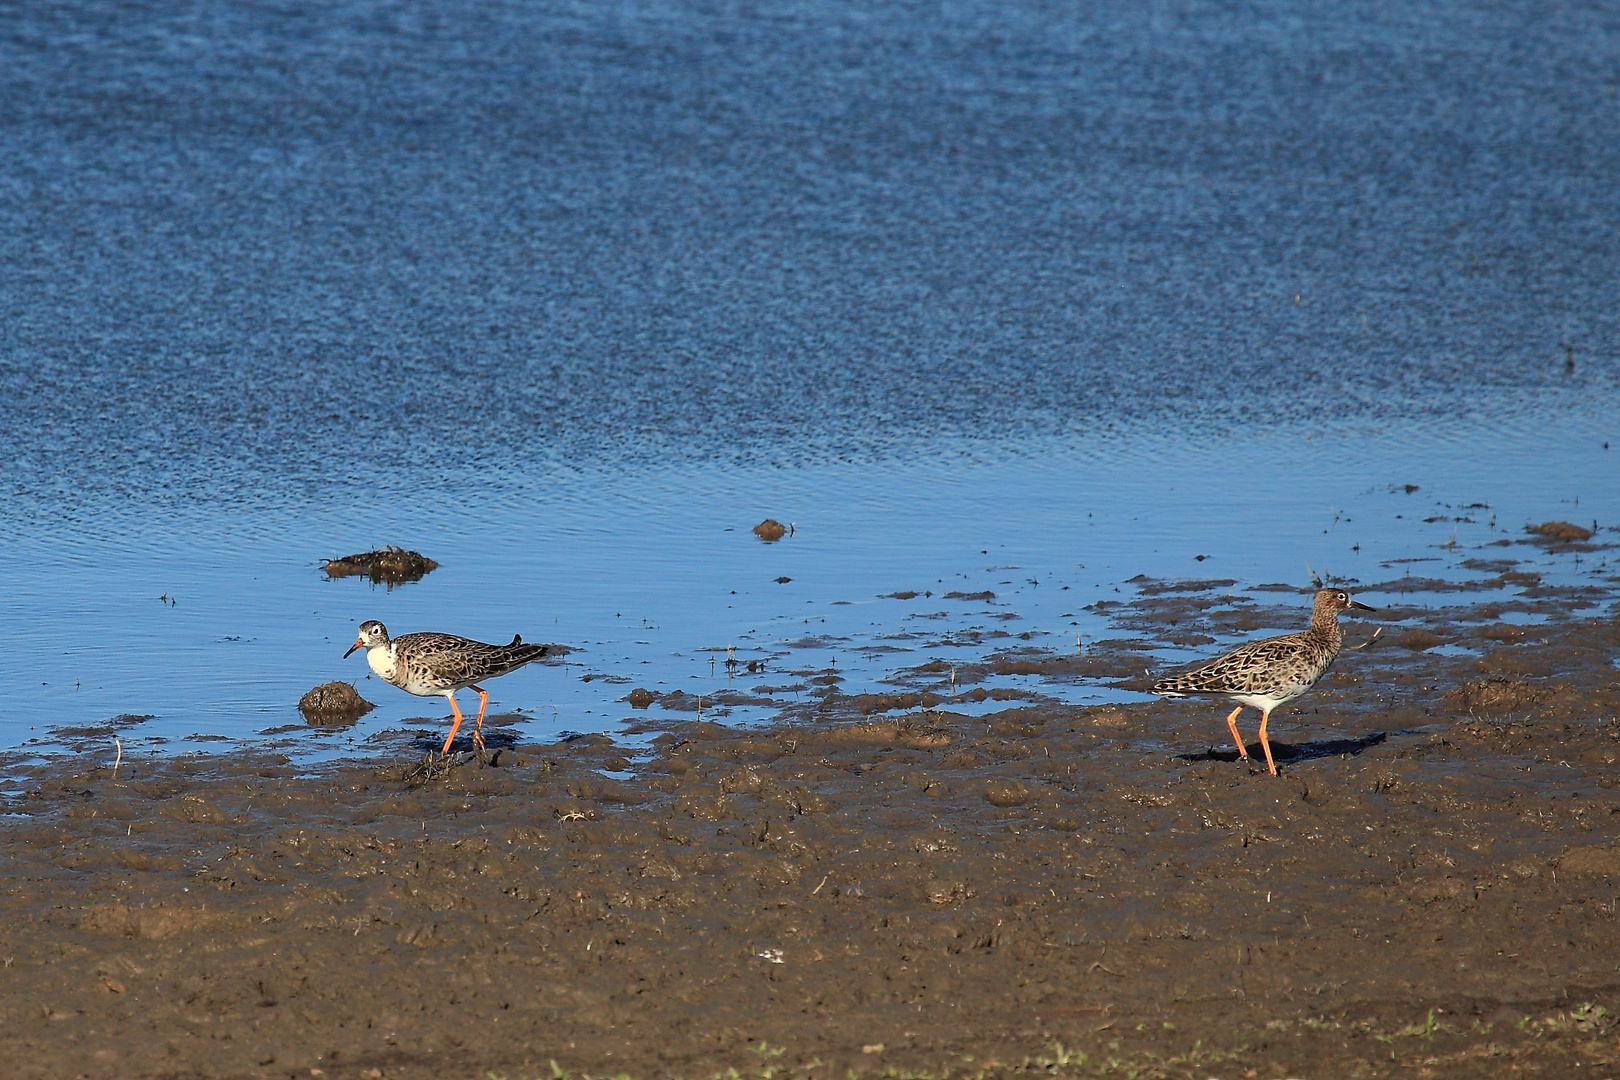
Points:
(1430, 888)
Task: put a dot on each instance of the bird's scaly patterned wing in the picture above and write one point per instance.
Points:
(445, 660)
(1259, 667)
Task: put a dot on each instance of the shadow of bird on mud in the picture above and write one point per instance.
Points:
(1306, 751)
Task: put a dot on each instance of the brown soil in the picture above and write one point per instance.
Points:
(391, 566)
(1429, 889)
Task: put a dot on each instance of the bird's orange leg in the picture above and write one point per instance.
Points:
(455, 727)
(1231, 722)
(1265, 714)
(478, 728)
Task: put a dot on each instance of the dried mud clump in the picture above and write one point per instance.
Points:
(390, 566)
(1106, 716)
(1006, 793)
(1592, 859)
(640, 698)
(1419, 640)
(905, 731)
(1497, 694)
(1559, 532)
(334, 703)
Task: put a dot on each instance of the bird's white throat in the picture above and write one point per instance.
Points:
(381, 659)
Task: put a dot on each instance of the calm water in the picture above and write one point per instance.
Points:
(568, 297)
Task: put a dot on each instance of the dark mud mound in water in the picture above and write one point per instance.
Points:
(391, 566)
(770, 530)
(1559, 532)
(334, 703)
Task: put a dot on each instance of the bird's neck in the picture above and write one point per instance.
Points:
(1325, 625)
(381, 660)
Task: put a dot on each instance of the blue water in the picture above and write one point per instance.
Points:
(977, 296)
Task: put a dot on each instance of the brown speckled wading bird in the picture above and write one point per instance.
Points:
(440, 664)
(1270, 671)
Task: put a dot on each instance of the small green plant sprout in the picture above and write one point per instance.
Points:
(765, 1051)
(1062, 1057)
(1584, 1019)
(1424, 1030)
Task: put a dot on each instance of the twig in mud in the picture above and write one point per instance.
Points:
(1369, 641)
(432, 765)
(117, 760)
(818, 887)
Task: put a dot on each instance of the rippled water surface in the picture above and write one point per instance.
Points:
(1029, 299)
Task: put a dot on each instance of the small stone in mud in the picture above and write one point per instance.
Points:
(1559, 531)
(390, 566)
(770, 530)
(1006, 793)
(334, 703)
(640, 698)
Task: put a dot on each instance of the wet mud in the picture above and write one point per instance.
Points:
(883, 884)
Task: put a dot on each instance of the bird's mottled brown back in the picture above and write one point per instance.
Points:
(1276, 665)
(440, 662)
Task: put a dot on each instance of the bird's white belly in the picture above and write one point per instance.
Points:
(1264, 702)
(420, 688)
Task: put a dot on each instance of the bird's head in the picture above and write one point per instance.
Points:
(372, 634)
(1333, 601)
